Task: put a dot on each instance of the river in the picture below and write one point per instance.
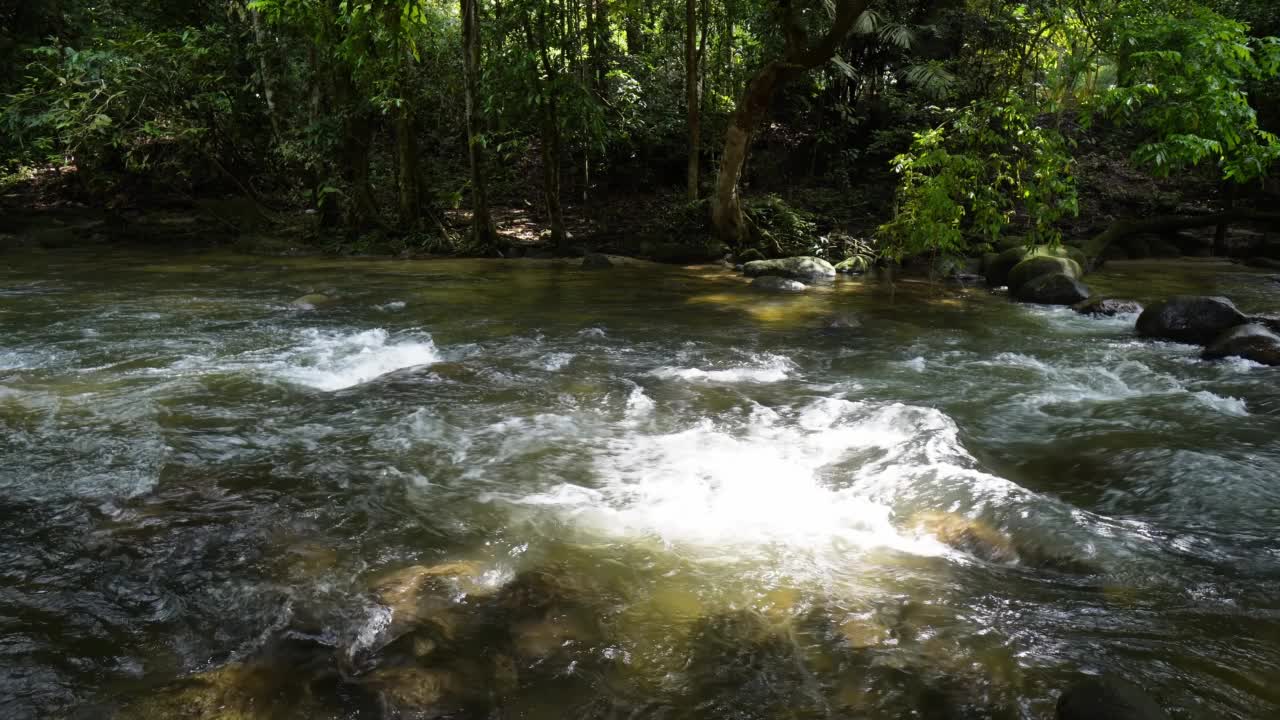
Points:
(645, 492)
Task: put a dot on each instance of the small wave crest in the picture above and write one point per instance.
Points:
(333, 360)
(764, 369)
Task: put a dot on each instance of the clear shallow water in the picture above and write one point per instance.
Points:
(663, 495)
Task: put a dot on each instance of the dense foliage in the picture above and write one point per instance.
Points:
(924, 127)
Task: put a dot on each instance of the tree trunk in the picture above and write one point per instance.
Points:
(408, 183)
(482, 230)
(550, 132)
(603, 45)
(551, 178)
(635, 35)
(357, 141)
(726, 207)
(265, 73)
(691, 96)
(1220, 234)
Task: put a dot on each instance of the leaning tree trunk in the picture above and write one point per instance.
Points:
(482, 230)
(726, 207)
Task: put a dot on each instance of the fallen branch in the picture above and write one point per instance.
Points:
(1121, 229)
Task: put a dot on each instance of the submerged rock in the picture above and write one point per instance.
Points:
(541, 637)
(1251, 342)
(1108, 698)
(288, 679)
(424, 596)
(970, 536)
(1052, 289)
(841, 323)
(1263, 262)
(596, 261)
(1107, 306)
(413, 692)
(1196, 319)
(803, 268)
(773, 283)
(313, 300)
(1032, 268)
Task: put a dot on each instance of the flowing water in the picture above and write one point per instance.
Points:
(520, 489)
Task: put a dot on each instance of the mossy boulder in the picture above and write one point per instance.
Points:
(1033, 267)
(852, 266)
(997, 268)
(1195, 319)
(1251, 342)
(802, 268)
(1052, 289)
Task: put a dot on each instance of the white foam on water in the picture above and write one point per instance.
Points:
(1226, 405)
(916, 363)
(553, 362)
(766, 369)
(393, 306)
(333, 360)
(1105, 381)
(639, 404)
(592, 332)
(814, 481)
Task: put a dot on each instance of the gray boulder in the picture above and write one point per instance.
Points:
(1270, 322)
(1107, 306)
(1108, 698)
(1195, 319)
(802, 268)
(773, 283)
(1251, 342)
(596, 261)
(1052, 289)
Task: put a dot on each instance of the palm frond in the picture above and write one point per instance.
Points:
(867, 22)
(897, 34)
(931, 77)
